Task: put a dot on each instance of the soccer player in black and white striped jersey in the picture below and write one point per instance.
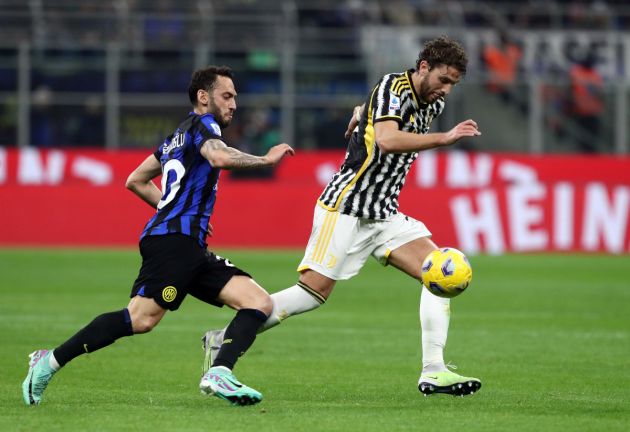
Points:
(357, 214)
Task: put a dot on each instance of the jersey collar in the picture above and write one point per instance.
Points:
(416, 97)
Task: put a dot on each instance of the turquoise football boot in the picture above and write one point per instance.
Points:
(39, 375)
(220, 382)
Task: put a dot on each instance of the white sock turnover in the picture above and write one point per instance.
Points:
(291, 301)
(52, 362)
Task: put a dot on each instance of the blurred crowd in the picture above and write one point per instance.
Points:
(160, 36)
(169, 23)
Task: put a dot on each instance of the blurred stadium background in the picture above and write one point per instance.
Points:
(87, 88)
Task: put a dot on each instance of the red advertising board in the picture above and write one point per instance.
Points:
(490, 203)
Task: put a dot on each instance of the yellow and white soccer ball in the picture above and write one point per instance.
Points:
(446, 272)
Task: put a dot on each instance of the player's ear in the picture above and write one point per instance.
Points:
(423, 67)
(202, 97)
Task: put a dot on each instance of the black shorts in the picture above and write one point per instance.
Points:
(175, 265)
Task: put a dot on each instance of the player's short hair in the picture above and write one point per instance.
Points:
(444, 51)
(205, 79)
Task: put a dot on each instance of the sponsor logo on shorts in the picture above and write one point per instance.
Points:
(169, 293)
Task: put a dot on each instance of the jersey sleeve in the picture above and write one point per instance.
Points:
(386, 101)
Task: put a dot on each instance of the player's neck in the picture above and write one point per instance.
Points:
(200, 110)
(416, 82)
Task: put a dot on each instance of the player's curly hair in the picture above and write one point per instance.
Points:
(204, 79)
(444, 51)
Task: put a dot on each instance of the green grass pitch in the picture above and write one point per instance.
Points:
(548, 335)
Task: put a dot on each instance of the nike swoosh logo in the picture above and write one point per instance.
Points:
(431, 377)
(30, 391)
(237, 385)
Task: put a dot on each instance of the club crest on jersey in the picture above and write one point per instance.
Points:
(177, 141)
(169, 293)
(394, 102)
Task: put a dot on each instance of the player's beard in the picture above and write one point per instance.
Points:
(426, 95)
(216, 112)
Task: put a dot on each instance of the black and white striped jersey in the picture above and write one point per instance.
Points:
(368, 183)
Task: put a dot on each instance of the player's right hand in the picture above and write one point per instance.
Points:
(276, 153)
(467, 128)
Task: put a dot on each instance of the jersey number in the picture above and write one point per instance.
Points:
(225, 261)
(172, 175)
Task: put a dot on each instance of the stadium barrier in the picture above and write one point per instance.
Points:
(481, 203)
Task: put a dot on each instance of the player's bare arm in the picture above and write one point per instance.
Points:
(222, 156)
(140, 181)
(392, 140)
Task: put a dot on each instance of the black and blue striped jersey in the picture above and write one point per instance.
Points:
(189, 182)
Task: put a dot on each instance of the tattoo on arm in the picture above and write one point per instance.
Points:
(243, 160)
(237, 159)
(214, 144)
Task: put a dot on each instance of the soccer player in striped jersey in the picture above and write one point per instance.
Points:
(175, 261)
(357, 214)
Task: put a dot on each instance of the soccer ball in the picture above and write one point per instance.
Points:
(446, 272)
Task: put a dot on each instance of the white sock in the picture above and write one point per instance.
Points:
(435, 314)
(52, 361)
(291, 301)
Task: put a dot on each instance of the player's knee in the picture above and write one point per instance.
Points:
(253, 300)
(316, 283)
(264, 304)
(416, 269)
(144, 324)
(416, 273)
(244, 293)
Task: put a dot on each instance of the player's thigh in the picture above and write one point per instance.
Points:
(222, 283)
(242, 292)
(403, 242)
(169, 265)
(337, 249)
(409, 256)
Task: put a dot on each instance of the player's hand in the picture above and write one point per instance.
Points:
(354, 120)
(467, 128)
(210, 229)
(276, 153)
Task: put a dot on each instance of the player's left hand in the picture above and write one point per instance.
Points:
(276, 153)
(210, 229)
(467, 128)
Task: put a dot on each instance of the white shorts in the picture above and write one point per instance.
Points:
(340, 244)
